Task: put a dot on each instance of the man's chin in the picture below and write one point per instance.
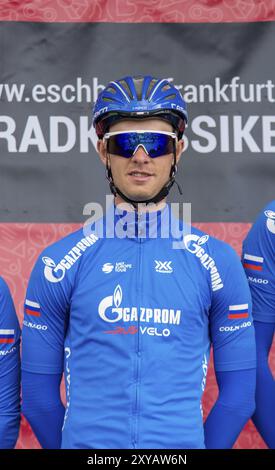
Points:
(139, 194)
(139, 197)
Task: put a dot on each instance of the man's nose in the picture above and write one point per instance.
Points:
(140, 154)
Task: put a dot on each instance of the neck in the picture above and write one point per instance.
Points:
(141, 207)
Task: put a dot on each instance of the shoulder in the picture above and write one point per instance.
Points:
(270, 206)
(7, 310)
(61, 256)
(4, 289)
(70, 248)
(215, 257)
(268, 217)
(263, 229)
(200, 242)
(76, 242)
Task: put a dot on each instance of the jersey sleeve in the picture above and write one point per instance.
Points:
(231, 324)
(258, 259)
(46, 315)
(9, 331)
(9, 370)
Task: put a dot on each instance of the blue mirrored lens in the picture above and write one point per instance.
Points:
(125, 144)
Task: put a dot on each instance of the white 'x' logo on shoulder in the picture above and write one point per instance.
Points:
(163, 267)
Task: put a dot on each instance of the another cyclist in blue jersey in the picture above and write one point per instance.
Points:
(259, 263)
(9, 370)
(130, 318)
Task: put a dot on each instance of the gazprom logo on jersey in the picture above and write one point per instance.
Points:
(193, 244)
(55, 272)
(270, 223)
(111, 311)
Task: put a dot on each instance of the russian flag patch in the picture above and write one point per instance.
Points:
(6, 336)
(32, 308)
(253, 262)
(238, 311)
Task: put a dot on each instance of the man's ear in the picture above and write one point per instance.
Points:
(102, 151)
(179, 150)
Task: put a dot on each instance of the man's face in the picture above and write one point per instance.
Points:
(140, 177)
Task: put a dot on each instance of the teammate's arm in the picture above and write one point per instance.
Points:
(264, 416)
(233, 340)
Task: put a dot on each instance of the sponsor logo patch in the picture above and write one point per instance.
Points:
(163, 267)
(270, 223)
(110, 310)
(55, 272)
(193, 244)
(119, 267)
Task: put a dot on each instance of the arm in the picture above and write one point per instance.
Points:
(44, 330)
(259, 263)
(264, 416)
(234, 406)
(9, 370)
(233, 339)
(10, 404)
(43, 408)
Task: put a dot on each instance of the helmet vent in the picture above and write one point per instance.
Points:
(150, 87)
(138, 82)
(126, 88)
(166, 87)
(170, 97)
(111, 89)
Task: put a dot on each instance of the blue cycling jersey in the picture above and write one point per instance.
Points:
(259, 262)
(9, 370)
(133, 316)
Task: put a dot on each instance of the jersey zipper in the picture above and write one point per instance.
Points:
(135, 435)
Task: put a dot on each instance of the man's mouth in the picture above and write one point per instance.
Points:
(140, 174)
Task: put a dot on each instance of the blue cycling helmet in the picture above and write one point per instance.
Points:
(138, 97)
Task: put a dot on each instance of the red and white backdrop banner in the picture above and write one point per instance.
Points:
(55, 57)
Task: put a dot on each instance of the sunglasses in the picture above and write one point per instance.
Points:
(155, 144)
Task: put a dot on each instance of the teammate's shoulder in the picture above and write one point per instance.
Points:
(269, 213)
(4, 289)
(270, 207)
(266, 219)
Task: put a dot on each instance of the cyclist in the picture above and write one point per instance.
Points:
(135, 315)
(259, 263)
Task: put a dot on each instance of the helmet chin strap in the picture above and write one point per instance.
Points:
(155, 199)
